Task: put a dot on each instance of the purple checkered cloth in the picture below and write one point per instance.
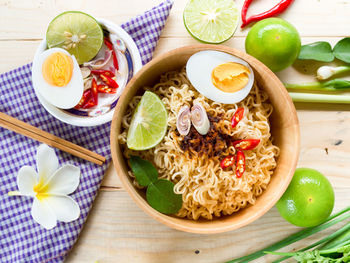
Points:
(21, 238)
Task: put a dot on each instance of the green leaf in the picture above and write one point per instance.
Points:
(320, 51)
(143, 170)
(336, 84)
(160, 195)
(342, 50)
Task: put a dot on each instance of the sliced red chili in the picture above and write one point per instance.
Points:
(228, 161)
(114, 55)
(108, 43)
(237, 117)
(83, 99)
(101, 71)
(89, 104)
(115, 60)
(94, 91)
(89, 100)
(247, 144)
(106, 89)
(240, 164)
(109, 81)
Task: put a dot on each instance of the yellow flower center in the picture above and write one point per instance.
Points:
(41, 190)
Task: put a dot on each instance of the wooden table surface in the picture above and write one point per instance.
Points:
(119, 231)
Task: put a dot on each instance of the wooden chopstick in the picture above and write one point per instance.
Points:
(35, 133)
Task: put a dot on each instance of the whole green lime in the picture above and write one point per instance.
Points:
(275, 42)
(309, 199)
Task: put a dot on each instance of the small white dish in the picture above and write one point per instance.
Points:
(100, 114)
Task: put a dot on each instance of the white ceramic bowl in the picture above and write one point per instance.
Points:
(75, 117)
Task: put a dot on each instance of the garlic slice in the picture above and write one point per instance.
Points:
(183, 122)
(200, 119)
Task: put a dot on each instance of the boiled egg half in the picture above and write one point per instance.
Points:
(220, 76)
(57, 78)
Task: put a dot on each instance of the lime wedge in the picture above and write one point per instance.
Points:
(211, 21)
(149, 123)
(78, 33)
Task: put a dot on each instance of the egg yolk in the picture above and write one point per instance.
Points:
(230, 77)
(57, 69)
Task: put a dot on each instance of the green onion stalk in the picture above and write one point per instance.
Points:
(333, 255)
(326, 72)
(332, 220)
(334, 86)
(331, 85)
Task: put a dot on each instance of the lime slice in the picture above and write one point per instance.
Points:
(211, 21)
(149, 123)
(78, 33)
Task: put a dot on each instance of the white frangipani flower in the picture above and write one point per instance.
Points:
(50, 188)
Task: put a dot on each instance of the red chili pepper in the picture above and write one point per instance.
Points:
(114, 55)
(115, 60)
(228, 161)
(83, 99)
(94, 91)
(237, 117)
(244, 11)
(240, 164)
(106, 89)
(277, 9)
(108, 43)
(247, 144)
(89, 104)
(89, 100)
(102, 71)
(109, 81)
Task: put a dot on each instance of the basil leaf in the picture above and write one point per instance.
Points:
(160, 195)
(342, 50)
(143, 170)
(320, 51)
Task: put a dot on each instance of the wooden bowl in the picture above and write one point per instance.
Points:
(284, 129)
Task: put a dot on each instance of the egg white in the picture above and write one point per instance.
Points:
(199, 68)
(62, 97)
